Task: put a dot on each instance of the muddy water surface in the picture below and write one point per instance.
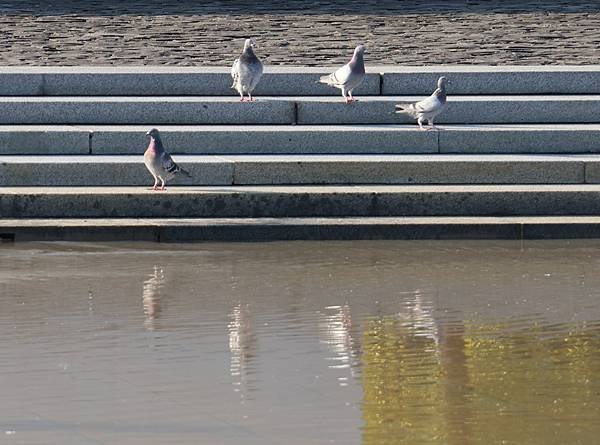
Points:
(300, 343)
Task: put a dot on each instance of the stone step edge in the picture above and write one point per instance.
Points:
(57, 139)
(379, 80)
(278, 229)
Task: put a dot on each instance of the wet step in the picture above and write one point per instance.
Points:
(300, 201)
(113, 170)
(302, 139)
(277, 81)
(321, 110)
(272, 229)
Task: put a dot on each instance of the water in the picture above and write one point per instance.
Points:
(300, 343)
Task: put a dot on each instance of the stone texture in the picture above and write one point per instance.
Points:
(267, 139)
(407, 169)
(270, 110)
(106, 171)
(43, 139)
(189, 32)
(167, 81)
(592, 171)
(493, 80)
(555, 138)
(143, 110)
(294, 81)
(293, 169)
(301, 201)
(460, 110)
(302, 139)
(270, 229)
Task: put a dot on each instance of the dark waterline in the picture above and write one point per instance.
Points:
(300, 343)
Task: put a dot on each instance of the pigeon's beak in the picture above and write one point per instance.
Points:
(147, 133)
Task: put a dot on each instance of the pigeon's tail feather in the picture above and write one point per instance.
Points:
(185, 172)
(406, 109)
(326, 80)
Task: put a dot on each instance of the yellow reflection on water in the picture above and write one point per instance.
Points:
(474, 383)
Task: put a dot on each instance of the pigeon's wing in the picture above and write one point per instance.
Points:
(168, 163)
(171, 167)
(429, 105)
(255, 71)
(339, 77)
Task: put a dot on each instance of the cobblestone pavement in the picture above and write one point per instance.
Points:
(294, 32)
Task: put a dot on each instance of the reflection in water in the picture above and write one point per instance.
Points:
(402, 380)
(498, 344)
(523, 376)
(335, 326)
(417, 315)
(480, 382)
(242, 346)
(151, 297)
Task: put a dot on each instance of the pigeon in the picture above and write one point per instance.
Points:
(429, 108)
(349, 76)
(246, 71)
(159, 162)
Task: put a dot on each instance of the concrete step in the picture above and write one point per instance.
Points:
(168, 81)
(470, 79)
(460, 110)
(93, 170)
(216, 81)
(289, 110)
(300, 201)
(302, 139)
(271, 229)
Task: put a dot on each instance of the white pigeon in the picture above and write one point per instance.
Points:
(429, 108)
(349, 76)
(246, 71)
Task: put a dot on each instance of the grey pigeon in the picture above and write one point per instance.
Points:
(349, 76)
(429, 108)
(159, 162)
(246, 71)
